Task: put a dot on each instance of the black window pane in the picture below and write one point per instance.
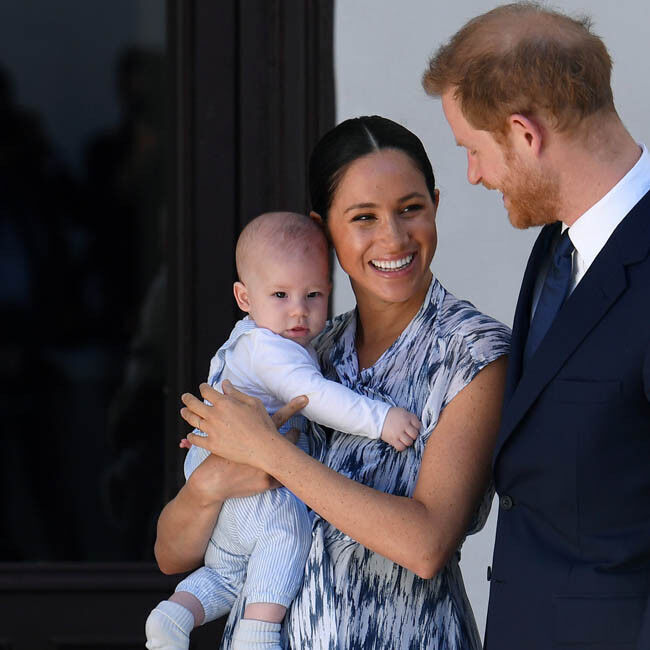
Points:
(83, 278)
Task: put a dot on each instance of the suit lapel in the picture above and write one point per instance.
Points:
(600, 288)
(521, 321)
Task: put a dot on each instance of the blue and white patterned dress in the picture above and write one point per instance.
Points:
(353, 598)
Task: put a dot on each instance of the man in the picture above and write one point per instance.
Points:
(527, 92)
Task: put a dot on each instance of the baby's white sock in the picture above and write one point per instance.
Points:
(168, 627)
(256, 635)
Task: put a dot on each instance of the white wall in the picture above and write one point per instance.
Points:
(381, 49)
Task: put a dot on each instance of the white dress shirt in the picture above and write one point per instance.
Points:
(590, 232)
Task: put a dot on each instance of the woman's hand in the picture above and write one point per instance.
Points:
(217, 478)
(187, 521)
(237, 426)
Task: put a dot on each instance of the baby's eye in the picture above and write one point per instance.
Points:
(280, 294)
(314, 294)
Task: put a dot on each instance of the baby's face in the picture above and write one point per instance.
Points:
(288, 294)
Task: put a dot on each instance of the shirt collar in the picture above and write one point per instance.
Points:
(592, 230)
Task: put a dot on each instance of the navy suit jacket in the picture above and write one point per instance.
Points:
(571, 565)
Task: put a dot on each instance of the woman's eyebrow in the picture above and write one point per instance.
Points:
(412, 195)
(357, 206)
(360, 205)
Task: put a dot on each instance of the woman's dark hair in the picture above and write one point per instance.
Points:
(354, 139)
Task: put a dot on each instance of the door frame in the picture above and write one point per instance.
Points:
(252, 90)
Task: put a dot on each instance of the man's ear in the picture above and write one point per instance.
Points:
(316, 217)
(241, 296)
(526, 134)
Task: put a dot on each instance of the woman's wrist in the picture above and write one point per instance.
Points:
(273, 455)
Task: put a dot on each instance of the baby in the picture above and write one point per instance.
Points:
(260, 544)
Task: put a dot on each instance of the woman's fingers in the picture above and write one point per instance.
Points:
(196, 410)
(234, 424)
(191, 418)
(231, 391)
(284, 413)
(197, 440)
(196, 405)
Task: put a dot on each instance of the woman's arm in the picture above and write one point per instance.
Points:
(419, 533)
(187, 521)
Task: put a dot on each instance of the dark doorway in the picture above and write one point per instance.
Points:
(138, 137)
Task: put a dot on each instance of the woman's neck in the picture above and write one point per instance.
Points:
(380, 323)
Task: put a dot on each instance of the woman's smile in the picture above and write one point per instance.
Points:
(393, 266)
(382, 224)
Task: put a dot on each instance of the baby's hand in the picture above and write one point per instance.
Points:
(400, 429)
(184, 444)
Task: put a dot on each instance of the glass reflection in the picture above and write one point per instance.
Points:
(83, 291)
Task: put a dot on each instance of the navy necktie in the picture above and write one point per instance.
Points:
(554, 292)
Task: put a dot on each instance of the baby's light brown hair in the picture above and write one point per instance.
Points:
(287, 233)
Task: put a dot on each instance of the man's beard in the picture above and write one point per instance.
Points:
(532, 197)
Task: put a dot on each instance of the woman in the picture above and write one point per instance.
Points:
(383, 569)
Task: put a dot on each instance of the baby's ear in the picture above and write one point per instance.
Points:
(241, 296)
